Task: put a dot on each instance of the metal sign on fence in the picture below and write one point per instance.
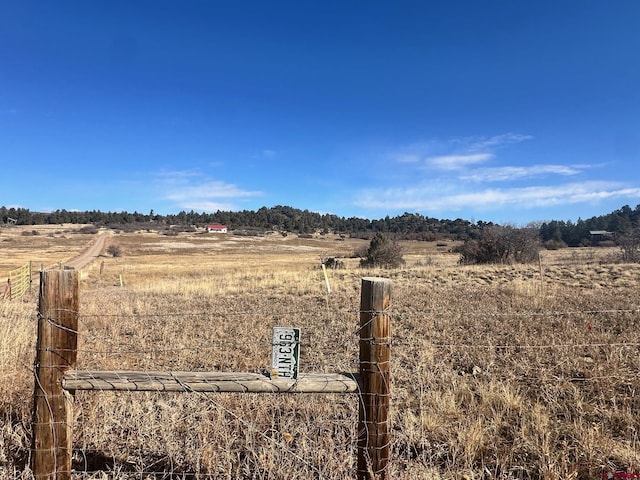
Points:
(285, 353)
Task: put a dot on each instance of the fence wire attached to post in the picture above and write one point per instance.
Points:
(56, 352)
(57, 380)
(375, 349)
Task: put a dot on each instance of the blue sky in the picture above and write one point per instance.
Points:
(504, 111)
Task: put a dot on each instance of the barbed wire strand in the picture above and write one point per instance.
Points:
(355, 334)
(280, 444)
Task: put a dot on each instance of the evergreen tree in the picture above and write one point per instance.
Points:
(382, 253)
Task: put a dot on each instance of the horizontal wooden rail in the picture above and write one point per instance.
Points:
(209, 382)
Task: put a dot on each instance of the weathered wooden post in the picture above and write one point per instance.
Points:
(56, 351)
(375, 347)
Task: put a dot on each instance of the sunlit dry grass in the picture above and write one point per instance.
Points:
(498, 371)
(43, 245)
(17, 344)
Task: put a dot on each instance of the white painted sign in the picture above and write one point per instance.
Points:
(285, 353)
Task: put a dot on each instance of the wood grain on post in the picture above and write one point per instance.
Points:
(208, 382)
(56, 351)
(375, 340)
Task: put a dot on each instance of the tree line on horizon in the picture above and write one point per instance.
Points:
(413, 226)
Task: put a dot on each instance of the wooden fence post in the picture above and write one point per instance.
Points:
(373, 415)
(56, 351)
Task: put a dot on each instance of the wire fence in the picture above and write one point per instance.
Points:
(275, 437)
(435, 352)
(156, 349)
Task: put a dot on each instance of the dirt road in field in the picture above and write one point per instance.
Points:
(90, 254)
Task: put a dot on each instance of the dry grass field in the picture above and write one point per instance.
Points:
(499, 372)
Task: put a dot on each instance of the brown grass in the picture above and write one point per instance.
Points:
(43, 245)
(498, 371)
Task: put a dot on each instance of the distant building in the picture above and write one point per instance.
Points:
(598, 236)
(217, 228)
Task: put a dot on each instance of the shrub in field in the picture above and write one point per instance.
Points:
(333, 263)
(629, 244)
(554, 244)
(382, 252)
(501, 244)
(88, 229)
(114, 250)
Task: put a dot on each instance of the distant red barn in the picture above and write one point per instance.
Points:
(217, 228)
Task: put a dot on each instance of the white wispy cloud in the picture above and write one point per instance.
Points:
(269, 153)
(208, 206)
(266, 153)
(485, 143)
(194, 191)
(503, 174)
(211, 189)
(176, 176)
(426, 198)
(477, 173)
(416, 152)
(457, 162)
(455, 153)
